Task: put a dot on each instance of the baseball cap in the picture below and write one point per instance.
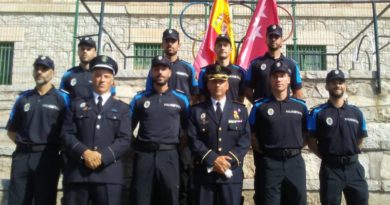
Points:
(280, 66)
(88, 41)
(171, 34)
(104, 62)
(45, 61)
(274, 29)
(335, 74)
(222, 37)
(160, 60)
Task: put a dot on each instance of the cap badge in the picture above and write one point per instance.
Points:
(336, 72)
(82, 105)
(73, 82)
(147, 104)
(235, 115)
(274, 27)
(26, 107)
(160, 58)
(270, 111)
(278, 64)
(329, 121)
(170, 31)
(87, 38)
(218, 68)
(43, 57)
(263, 66)
(104, 59)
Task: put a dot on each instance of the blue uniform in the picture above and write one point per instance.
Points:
(107, 132)
(258, 73)
(78, 83)
(210, 139)
(37, 121)
(183, 78)
(279, 127)
(156, 160)
(337, 131)
(236, 82)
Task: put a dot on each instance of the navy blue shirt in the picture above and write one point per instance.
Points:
(38, 119)
(159, 115)
(337, 129)
(279, 124)
(236, 82)
(183, 78)
(258, 73)
(78, 83)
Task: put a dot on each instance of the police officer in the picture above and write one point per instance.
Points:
(222, 50)
(257, 81)
(35, 125)
(96, 134)
(219, 138)
(336, 133)
(160, 112)
(278, 128)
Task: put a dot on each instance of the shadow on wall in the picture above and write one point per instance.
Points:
(4, 188)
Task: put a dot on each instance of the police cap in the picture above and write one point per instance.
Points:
(274, 29)
(335, 74)
(222, 37)
(45, 61)
(87, 41)
(171, 34)
(217, 72)
(160, 60)
(280, 66)
(104, 62)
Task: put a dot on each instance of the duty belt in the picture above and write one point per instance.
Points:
(152, 146)
(36, 148)
(282, 153)
(340, 160)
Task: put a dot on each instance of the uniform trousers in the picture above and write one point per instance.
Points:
(92, 193)
(34, 177)
(186, 177)
(218, 194)
(155, 178)
(348, 179)
(283, 175)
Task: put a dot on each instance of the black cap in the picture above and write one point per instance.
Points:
(170, 34)
(160, 60)
(45, 61)
(222, 37)
(88, 41)
(335, 74)
(104, 62)
(217, 72)
(280, 66)
(274, 29)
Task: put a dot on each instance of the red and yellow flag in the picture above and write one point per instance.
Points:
(220, 22)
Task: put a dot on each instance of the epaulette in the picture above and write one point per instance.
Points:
(73, 68)
(258, 100)
(64, 91)
(238, 102)
(180, 91)
(140, 91)
(298, 99)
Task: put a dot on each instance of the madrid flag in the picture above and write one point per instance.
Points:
(254, 44)
(220, 22)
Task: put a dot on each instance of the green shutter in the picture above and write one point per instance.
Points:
(6, 59)
(309, 57)
(143, 53)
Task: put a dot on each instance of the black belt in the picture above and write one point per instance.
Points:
(152, 146)
(340, 160)
(282, 153)
(36, 148)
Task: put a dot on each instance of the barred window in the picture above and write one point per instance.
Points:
(143, 53)
(6, 59)
(309, 57)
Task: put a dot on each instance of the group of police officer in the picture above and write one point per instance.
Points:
(192, 134)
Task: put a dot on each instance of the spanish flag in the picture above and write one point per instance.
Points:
(220, 22)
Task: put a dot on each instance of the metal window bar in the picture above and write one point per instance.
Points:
(6, 59)
(309, 57)
(143, 53)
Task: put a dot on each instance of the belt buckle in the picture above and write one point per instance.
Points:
(344, 160)
(286, 153)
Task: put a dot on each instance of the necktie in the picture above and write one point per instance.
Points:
(219, 111)
(100, 103)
